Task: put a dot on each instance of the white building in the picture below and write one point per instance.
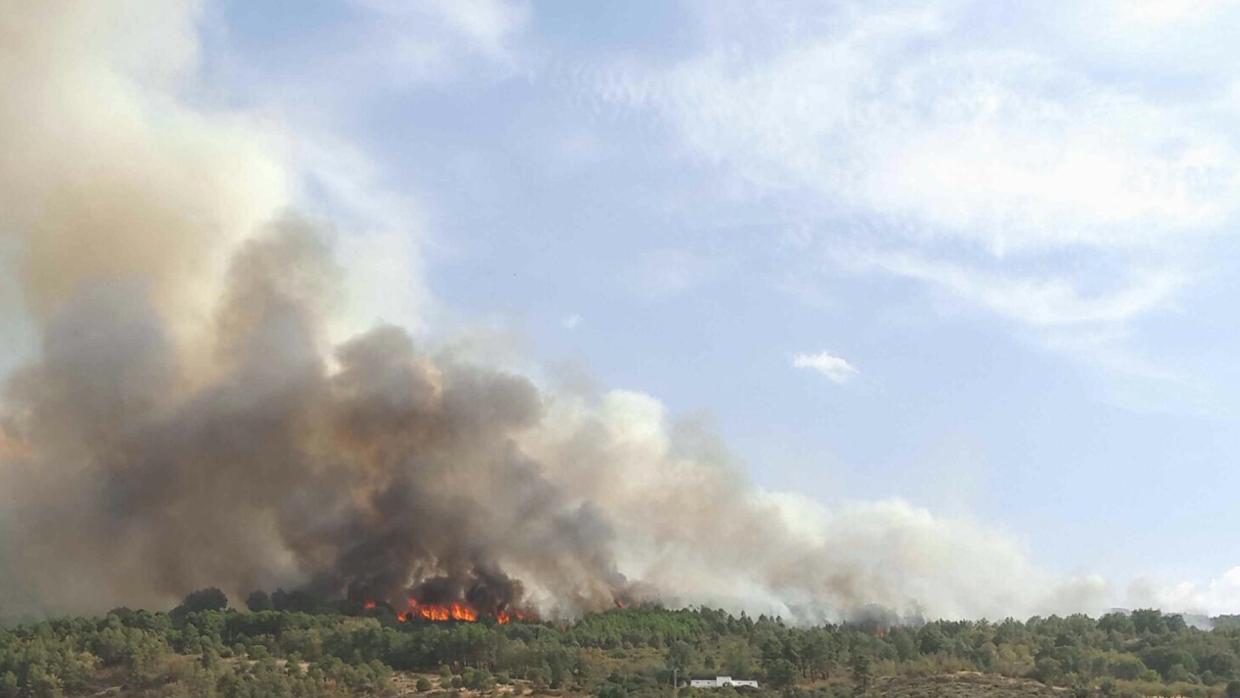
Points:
(720, 681)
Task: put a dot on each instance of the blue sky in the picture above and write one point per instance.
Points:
(978, 257)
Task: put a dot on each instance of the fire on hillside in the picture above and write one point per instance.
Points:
(458, 611)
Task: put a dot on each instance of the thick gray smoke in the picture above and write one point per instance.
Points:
(385, 468)
(186, 418)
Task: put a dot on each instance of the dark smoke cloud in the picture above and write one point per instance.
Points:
(375, 471)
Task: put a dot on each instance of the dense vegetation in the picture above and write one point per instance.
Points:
(294, 646)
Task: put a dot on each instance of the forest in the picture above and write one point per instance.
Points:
(291, 644)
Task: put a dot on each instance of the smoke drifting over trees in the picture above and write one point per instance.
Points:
(186, 419)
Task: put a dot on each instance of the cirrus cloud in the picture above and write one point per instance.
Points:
(973, 162)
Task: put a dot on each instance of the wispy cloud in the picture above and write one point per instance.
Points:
(975, 167)
(432, 40)
(836, 369)
(1009, 149)
(669, 272)
(1040, 301)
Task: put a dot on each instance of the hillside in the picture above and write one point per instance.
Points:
(307, 647)
(963, 685)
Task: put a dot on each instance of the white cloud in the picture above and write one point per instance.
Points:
(488, 24)
(836, 369)
(570, 322)
(1041, 301)
(1010, 149)
(1037, 169)
(432, 39)
(665, 273)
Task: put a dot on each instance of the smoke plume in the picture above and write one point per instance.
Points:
(185, 418)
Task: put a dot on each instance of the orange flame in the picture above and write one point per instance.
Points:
(456, 611)
(511, 614)
(439, 612)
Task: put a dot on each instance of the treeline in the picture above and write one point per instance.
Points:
(202, 648)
